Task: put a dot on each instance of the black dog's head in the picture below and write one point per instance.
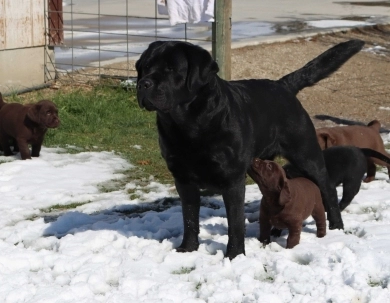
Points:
(171, 73)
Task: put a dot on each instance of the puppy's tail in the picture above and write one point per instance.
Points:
(368, 152)
(322, 66)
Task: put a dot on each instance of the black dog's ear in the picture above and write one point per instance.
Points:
(201, 67)
(139, 65)
(33, 112)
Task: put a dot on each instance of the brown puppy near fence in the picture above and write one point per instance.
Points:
(21, 125)
(286, 203)
(359, 136)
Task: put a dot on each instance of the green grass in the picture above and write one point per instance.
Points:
(106, 119)
(183, 270)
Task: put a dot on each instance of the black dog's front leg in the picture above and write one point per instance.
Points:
(234, 202)
(190, 201)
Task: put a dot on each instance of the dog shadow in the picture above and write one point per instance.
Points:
(159, 220)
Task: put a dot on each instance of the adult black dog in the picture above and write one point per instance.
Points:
(345, 165)
(211, 129)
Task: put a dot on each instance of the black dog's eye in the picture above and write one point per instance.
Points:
(48, 113)
(169, 69)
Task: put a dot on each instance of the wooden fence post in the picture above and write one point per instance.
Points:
(222, 37)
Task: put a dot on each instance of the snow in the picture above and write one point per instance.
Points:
(118, 245)
(337, 23)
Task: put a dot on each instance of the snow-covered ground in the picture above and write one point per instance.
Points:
(118, 246)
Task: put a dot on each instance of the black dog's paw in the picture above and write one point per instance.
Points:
(276, 232)
(232, 254)
(181, 250)
(336, 225)
(233, 250)
(187, 248)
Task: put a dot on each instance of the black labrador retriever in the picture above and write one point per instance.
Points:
(210, 129)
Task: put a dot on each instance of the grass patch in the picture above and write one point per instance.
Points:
(61, 207)
(183, 270)
(105, 119)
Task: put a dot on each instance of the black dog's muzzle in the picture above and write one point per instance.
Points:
(143, 88)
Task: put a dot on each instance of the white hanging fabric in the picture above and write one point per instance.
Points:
(187, 11)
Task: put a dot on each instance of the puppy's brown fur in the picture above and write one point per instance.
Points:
(286, 203)
(359, 136)
(22, 125)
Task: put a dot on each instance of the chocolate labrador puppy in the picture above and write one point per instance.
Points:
(345, 165)
(211, 129)
(22, 125)
(286, 203)
(360, 136)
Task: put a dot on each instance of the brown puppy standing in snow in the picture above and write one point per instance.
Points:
(22, 125)
(286, 203)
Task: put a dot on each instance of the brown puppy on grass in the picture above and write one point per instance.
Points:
(359, 136)
(286, 203)
(21, 125)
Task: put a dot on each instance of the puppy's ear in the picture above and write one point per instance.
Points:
(325, 140)
(33, 112)
(375, 124)
(201, 67)
(285, 194)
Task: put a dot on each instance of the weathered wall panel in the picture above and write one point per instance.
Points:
(24, 24)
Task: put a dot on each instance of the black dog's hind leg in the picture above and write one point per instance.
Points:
(190, 201)
(309, 160)
(234, 198)
(350, 190)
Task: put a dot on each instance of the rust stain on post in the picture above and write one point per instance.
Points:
(56, 22)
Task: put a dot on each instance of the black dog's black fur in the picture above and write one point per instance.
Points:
(211, 129)
(345, 165)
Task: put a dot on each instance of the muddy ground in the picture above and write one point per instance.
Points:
(359, 91)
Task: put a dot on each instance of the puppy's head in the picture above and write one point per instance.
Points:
(272, 179)
(44, 113)
(325, 139)
(269, 174)
(171, 73)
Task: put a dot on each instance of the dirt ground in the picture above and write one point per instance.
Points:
(359, 91)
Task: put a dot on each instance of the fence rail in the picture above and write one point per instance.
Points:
(97, 43)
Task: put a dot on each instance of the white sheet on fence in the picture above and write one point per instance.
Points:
(187, 11)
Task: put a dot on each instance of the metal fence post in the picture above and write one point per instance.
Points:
(222, 38)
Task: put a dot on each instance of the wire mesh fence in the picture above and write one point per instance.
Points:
(103, 39)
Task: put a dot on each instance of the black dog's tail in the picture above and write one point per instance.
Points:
(368, 152)
(322, 66)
